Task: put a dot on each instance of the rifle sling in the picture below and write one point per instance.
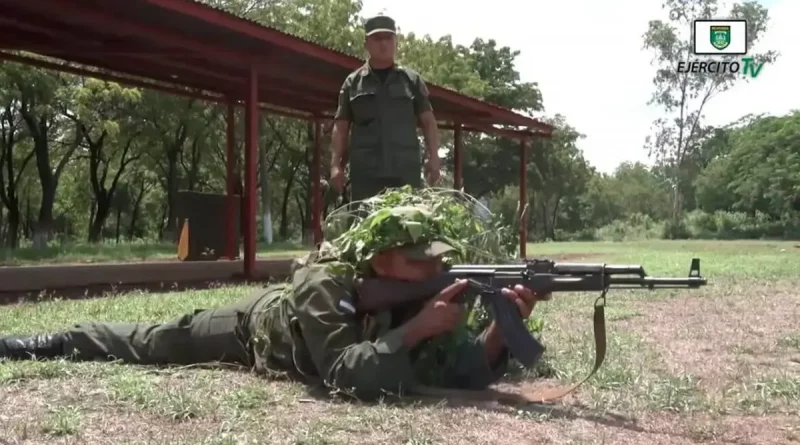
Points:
(599, 322)
(541, 396)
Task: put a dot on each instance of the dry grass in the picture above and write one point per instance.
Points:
(718, 365)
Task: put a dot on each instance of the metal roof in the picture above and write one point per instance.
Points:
(185, 44)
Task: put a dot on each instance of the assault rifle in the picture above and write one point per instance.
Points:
(541, 276)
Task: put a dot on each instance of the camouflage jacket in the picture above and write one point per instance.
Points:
(314, 331)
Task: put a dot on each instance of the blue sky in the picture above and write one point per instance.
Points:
(566, 47)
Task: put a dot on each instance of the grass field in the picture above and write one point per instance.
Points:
(716, 365)
(111, 252)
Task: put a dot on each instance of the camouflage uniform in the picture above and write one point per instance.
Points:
(307, 328)
(384, 149)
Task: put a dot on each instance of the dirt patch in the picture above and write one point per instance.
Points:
(721, 339)
(246, 408)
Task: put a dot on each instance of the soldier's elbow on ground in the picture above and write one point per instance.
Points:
(373, 383)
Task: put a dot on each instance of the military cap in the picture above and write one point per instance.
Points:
(379, 23)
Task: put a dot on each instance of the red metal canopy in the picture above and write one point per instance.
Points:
(183, 43)
(188, 48)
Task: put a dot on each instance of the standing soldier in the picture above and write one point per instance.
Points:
(383, 103)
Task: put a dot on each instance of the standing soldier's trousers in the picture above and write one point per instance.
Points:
(203, 336)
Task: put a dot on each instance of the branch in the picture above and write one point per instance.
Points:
(68, 155)
(123, 163)
(707, 96)
(22, 168)
(93, 167)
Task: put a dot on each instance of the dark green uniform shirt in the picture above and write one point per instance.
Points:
(314, 331)
(383, 108)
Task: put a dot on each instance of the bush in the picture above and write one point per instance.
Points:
(694, 225)
(581, 235)
(739, 225)
(635, 227)
(676, 230)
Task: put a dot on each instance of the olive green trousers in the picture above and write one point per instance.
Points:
(203, 336)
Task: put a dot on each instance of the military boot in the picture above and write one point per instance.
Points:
(32, 347)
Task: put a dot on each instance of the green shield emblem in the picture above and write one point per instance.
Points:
(720, 37)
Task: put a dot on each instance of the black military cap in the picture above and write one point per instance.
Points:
(379, 23)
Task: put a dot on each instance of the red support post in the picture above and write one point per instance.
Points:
(458, 150)
(316, 178)
(231, 243)
(523, 200)
(250, 158)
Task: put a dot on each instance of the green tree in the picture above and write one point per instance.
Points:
(639, 190)
(14, 157)
(105, 114)
(683, 96)
(761, 174)
(558, 172)
(43, 97)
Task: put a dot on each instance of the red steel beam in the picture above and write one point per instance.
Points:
(270, 35)
(510, 134)
(107, 77)
(231, 243)
(223, 85)
(24, 24)
(250, 158)
(143, 72)
(197, 73)
(175, 90)
(523, 200)
(216, 54)
(90, 46)
(213, 83)
(484, 122)
(458, 148)
(316, 178)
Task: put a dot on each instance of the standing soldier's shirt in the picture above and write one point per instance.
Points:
(383, 107)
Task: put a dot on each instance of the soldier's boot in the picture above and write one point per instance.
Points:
(32, 347)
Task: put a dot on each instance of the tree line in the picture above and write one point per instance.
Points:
(87, 160)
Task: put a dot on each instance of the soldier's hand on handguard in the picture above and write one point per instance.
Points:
(524, 298)
(440, 314)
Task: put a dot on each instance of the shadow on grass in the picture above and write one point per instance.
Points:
(532, 411)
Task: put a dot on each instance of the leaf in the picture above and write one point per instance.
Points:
(414, 229)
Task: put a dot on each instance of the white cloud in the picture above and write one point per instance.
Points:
(588, 59)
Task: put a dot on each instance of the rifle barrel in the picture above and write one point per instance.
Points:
(558, 268)
(660, 283)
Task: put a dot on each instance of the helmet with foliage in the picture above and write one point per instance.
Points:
(413, 228)
(425, 223)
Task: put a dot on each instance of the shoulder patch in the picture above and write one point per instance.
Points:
(347, 306)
